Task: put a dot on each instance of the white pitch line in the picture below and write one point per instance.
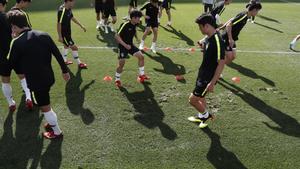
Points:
(187, 50)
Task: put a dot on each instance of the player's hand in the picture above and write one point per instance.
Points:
(60, 39)
(147, 17)
(66, 76)
(128, 47)
(83, 28)
(200, 44)
(210, 87)
(231, 43)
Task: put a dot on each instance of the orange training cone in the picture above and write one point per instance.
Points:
(179, 77)
(236, 79)
(192, 50)
(107, 78)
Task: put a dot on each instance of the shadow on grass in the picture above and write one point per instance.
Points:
(150, 114)
(179, 34)
(268, 19)
(286, 124)
(109, 39)
(75, 97)
(218, 155)
(250, 73)
(268, 27)
(52, 157)
(24, 149)
(169, 67)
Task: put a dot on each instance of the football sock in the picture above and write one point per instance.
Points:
(142, 70)
(204, 115)
(118, 76)
(7, 91)
(75, 56)
(65, 54)
(25, 89)
(51, 118)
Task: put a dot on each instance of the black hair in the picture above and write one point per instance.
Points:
(136, 13)
(206, 19)
(17, 18)
(254, 5)
(18, 1)
(68, 0)
(3, 2)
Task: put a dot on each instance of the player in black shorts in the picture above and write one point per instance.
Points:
(64, 17)
(151, 17)
(98, 4)
(166, 4)
(234, 27)
(20, 6)
(33, 50)
(124, 38)
(210, 70)
(133, 4)
(219, 9)
(109, 7)
(5, 67)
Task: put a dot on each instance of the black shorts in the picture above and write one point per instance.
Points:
(167, 4)
(123, 52)
(67, 39)
(109, 12)
(41, 97)
(133, 3)
(98, 7)
(153, 23)
(160, 3)
(6, 69)
(200, 88)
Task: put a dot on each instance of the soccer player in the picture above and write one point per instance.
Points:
(5, 67)
(219, 9)
(109, 10)
(293, 43)
(210, 70)
(151, 17)
(20, 6)
(208, 5)
(33, 50)
(124, 38)
(64, 17)
(166, 4)
(132, 5)
(99, 13)
(251, 19)
(234, 27)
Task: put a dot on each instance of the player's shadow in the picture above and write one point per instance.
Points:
(150, 114)
(108, 39)
(179, 34)
(218, 155)
(22, 149)
(52, 157)
(75, 97)
(268, 27)
(169, 67)
(268, 19)
(250, 73)
(286, 124)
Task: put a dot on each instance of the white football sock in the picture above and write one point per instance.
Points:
(51, 118)
(204, 115)
(75, 56)
(7, 91)
(65, 54)
(25, 89)
(142, 70)
(118, 76)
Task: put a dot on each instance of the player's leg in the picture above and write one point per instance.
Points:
(154, 40)
(168, 11)
(141, 64)
(147, 31)
(119, 71)
(105, 18)
(65, 49)
(114, 20)
(23, 82)
(7, 92)
(294, 41)
(75, 54)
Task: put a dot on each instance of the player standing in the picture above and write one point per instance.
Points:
(109, 10)
(98, 4)
(132, 5)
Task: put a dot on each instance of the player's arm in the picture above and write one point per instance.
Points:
(59, 22)
(120, 41)
(56, 53)
(78, 23)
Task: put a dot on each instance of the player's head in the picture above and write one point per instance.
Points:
(70, 3)
(253, 8)
(135, 16)
(206, 23)
(3, 4)
(23, 3)
(227, 2)
(154, 1)
(17, 20)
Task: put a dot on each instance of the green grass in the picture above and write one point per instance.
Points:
(145, 126)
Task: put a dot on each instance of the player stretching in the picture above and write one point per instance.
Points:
(29, 46)
(210, 69)
(152, 11)
(124, 37)
(64, 17)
